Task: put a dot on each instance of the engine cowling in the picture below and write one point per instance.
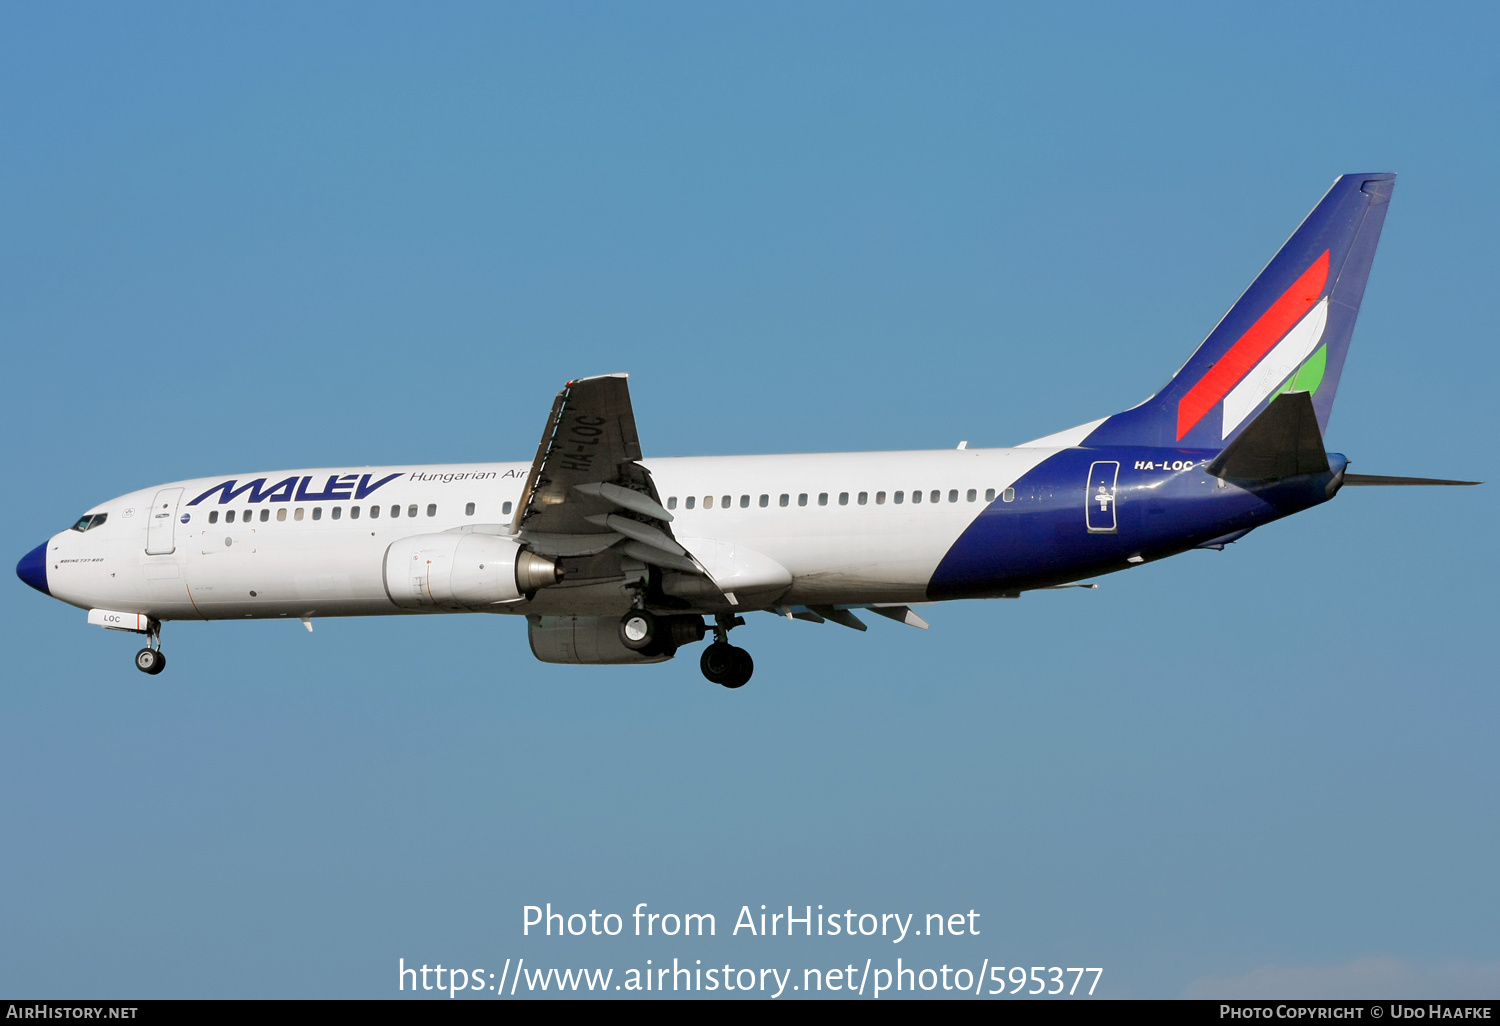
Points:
(463, 571)
(593, 640)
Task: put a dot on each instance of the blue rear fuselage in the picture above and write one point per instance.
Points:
(1055, 525)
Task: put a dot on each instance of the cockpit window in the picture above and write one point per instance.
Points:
(91, 520)
(99, 518)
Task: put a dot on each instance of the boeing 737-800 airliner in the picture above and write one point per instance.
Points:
(616, 558)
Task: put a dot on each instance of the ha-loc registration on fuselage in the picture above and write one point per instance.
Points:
(614, 557)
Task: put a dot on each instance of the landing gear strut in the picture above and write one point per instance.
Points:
(722, 662)
(150, 659)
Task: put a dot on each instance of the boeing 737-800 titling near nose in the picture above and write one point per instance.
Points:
(616, 558)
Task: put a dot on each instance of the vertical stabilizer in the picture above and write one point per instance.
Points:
(1290, 331)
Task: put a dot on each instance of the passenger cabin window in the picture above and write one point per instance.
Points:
(265, 515)
(936, 496)
(353, 512)
(338, 511)
(411, 510)
(672, 502)
(505, 508)
(1009, 495)
(469, 510)
(785, 499)
(708, 502)
(972, 495)
(765, 500)
(952, 495)
(213, 518)
(898, 498)
(374, 512)
(864, 498)
(395, 511)
(229, 517)
(689, 502)
(724, 502)
(989, 495)
(432, 508)
(916, 496)
(822, 498)
(880, 498)
(298, 514)
(843, 498)
(744, 502)
(281, 514)
(802, 499)
(317, 512)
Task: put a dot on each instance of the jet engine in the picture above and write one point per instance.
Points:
(463, 571)
(596, 639)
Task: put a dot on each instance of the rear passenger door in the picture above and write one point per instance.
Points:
(1099, 502)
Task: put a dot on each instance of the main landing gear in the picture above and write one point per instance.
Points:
(651, 635)
(722, 662)
(150, 659)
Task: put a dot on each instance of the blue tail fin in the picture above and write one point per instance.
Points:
(1290, 331)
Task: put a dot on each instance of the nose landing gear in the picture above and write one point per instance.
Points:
(150, 659)
(722, 662)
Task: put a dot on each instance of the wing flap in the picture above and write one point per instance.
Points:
(588, 496)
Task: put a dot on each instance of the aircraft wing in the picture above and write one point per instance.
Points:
(587, 491)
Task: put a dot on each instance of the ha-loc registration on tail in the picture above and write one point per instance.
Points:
(615, 557)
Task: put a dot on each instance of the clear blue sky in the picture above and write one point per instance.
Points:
(261, 236)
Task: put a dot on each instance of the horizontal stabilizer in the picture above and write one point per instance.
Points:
(1284, 441)
(1370, 480)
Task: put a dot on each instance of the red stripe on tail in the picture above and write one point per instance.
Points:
(1252, 345)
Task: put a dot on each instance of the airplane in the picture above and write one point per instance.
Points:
(614, 558)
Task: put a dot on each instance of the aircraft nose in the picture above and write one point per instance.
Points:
(33, 568)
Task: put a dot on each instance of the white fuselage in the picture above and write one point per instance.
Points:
(296, 554)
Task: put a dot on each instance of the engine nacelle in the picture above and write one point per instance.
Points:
(463, 571)
(583, 639)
